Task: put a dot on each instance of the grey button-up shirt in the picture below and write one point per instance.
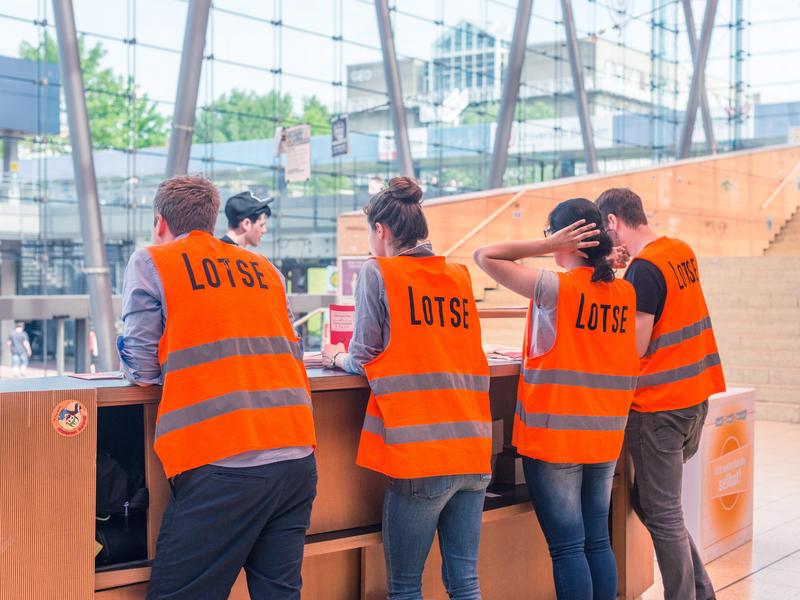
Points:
(371, 329)
(144, 315)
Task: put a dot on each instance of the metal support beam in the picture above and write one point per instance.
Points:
(194, 41)
(581, 101)
(394, 89)
(739, 82)
(708, 123)
(80, 137)
(508, 101)
(698, 77)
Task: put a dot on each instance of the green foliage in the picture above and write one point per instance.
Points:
(316, 114)
(119, 117)
(242, 115)
(526, 110)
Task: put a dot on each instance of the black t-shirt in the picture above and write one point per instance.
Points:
(650, 286)
(228, 240)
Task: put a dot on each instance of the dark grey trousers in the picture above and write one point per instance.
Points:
(659, 443)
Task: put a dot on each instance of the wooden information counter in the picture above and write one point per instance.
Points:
(47, 500)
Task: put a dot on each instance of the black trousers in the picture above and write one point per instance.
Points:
(220, 519)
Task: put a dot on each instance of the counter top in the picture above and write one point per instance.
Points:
(120, 391)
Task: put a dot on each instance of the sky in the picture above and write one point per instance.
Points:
(246, 48)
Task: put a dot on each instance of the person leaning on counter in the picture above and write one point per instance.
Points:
(575, 389)
(680, 368)
(209, 321)
(428, 422)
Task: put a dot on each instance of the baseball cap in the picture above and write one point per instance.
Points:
(245, 205)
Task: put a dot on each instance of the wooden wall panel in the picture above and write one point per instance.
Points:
(334, 576)
(513, 562)
(713, 203)
(347, 495)
(47, 499)
(131, 592)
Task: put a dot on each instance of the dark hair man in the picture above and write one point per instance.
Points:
(679, 369)
(235, 431)
(247, 219)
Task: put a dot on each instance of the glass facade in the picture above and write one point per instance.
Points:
(280, 63)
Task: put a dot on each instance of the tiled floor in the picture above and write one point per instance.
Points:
(767, 568)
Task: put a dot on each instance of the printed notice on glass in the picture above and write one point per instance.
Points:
(298, 153)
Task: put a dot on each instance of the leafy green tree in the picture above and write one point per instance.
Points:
(488, 112)
(119, 116)
(316, 114)
(242, 115)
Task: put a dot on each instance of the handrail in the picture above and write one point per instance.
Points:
(483, 224)
(307, 316)
(502, 312)
(780, 187)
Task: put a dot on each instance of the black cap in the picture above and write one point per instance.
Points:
(246, 206)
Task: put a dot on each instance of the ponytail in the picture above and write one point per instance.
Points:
(600, 258)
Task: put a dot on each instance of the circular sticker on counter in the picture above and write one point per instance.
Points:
(69, 418)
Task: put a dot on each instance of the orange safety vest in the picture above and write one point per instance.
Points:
(428, 413)
(573, 401)
(681, 367)
(232, 366)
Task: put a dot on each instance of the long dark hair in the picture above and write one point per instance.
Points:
(398, 207)
(569, 211)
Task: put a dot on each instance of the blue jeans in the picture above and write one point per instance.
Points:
(572, 502)
(413, 510)
(220, 519)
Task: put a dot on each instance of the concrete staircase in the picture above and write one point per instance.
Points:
(755, 307)
(787, 242)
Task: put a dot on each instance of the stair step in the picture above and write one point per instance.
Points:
(771, 393)
(784, 359)
(754, 326)
(777, 411)
(754, 300)
(784, 376)
(766, 344)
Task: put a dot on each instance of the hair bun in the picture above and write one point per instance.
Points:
(406, 190)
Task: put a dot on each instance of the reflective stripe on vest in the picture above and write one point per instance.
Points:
(429, 413)
(577, 378)
(227, 403)
(573, 401)
(676, 337)
(571, 422)
(393, 384)
(679, 374)
(681, 366)
(427, 433)
(197, 355)
(232, 384)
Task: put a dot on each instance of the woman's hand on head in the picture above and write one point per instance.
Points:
(575, 237)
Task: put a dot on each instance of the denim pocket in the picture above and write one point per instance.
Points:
(431, 487)
(671, 429)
